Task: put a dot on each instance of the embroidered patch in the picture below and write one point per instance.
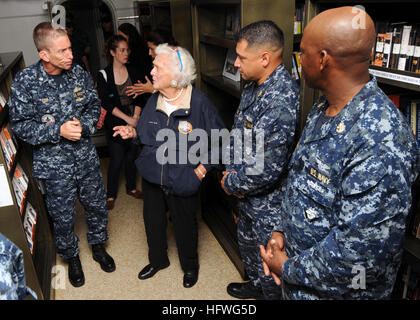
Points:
(185, 127)
(48, 119)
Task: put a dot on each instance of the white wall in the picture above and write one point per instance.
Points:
(19, 17)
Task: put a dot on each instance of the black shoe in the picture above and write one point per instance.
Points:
(190, 278)
(76, 276)
(149, 271)
(245, 290)
(104, 259)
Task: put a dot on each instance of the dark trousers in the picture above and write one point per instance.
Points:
(119, 153)
(61, 198)
(183, 215)
(252, 233)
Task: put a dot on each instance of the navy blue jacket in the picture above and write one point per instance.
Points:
(176, 175)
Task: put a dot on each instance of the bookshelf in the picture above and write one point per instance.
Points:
(16, 221)
(391, 81)
(165, 15)
(213, 25)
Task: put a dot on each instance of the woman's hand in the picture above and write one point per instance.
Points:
(140, 88)
(132, 121)
(125, 132)
(200, 171)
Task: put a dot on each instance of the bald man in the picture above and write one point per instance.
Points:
(342, 221)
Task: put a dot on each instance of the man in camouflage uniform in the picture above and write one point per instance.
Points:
(341, 228)
(54, 107)
(269, 106)
(12, 273)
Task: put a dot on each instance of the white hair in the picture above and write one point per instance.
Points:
(187, 75)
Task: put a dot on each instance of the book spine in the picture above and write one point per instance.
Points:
(410, 49)
(387, 49)
(404, 47)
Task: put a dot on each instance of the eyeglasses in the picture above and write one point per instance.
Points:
(179, 56)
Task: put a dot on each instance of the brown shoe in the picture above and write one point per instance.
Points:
(110, 204)
(136, 194)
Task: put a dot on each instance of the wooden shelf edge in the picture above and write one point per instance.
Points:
(218, 40)
(229, 86)
(403, 79)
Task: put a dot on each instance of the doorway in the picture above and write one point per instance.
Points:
(89, 23)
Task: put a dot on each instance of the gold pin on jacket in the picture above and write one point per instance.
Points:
(341, 127)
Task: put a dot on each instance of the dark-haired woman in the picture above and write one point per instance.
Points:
(139, 53)
(153, 39)
(121, 110)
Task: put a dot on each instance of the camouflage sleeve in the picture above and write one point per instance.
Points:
(278, 130)
(92, 110)
(12, 276)
(23, 117)
(368, 234)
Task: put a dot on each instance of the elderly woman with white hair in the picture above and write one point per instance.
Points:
(171, 180)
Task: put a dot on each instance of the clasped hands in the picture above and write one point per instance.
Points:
(71, 130)
(274, 256)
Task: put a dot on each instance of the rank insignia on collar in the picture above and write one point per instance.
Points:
(260, 93)
(320, 104)
(341, 127)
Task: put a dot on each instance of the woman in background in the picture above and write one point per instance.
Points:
(121, 110)
(153, 39)
(139, 53)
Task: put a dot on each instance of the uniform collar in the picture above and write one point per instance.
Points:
(45, 77)
(345, 120)
(253, 90)
(185, 102)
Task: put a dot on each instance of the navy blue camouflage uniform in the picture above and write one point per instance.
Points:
(273, 109)
(347, 197)
(38, 108)
(12, 273)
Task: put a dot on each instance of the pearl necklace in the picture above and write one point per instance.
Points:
(175, 98)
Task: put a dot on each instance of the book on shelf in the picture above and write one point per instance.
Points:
(232, 21)
(295, 74)
(378, 58)
(413, 116)
(298, 19)
(395, 98)
(29, 223)
(2, 101)
(397, 46)
(20, 186)
(8, 145)
(229, 69)
(296, 66)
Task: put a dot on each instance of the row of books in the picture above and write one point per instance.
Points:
(296, 66)
(20, 182)
(8, 144)
(397, 46)
(29, 224)
(298, 19)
